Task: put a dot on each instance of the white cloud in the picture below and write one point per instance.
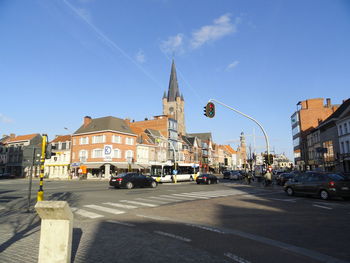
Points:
(221, 27)
(5, 119)
(140, 57)
(232, 65)
(173, 44)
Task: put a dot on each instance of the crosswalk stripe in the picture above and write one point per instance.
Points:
(138, 203)
(184, 197)
(178, 197)
(85, 213)
(105, 209)
(165, 199)
(121, 205)
(191, 195)
(154, 201)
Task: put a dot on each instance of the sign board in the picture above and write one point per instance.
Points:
(75, 165)
(107, 152)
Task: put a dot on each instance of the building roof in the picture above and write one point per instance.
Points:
(203, 136)
(173, 90)
(335, 115)
(62, 138)
(105, 123)
(21, 138)
(230, 149)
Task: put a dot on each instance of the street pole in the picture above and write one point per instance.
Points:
(30, 181)
(40, 196)
(245, 115)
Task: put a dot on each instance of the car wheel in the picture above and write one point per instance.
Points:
(129, 185)
(324, 195)
(198, 182)
(153, 184)
(290, 191)
(209, 182)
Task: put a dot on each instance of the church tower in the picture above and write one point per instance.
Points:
(173, 102)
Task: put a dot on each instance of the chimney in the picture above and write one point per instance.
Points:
(328, 102)
(87, 121)
(12, 135)
(127, 120)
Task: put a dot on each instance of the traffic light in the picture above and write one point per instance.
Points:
(209, 110)
(268, 159)
(49, 152)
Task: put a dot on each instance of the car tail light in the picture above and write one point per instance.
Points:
(331, 184)
(119, 179)
(205, 178)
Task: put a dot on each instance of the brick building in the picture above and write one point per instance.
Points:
(103, 146)
(310, 113)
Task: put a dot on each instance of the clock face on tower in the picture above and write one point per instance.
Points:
(171, 110)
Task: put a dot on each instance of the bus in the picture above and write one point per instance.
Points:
(165, 173)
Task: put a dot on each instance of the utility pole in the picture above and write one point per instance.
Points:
(40, 196)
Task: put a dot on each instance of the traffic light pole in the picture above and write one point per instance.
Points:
(254, 120)
(40, 196)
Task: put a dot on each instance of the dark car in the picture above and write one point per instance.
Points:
(6, 176)
(281, 179)
(324, 185)
(131, 180)
(206, 179)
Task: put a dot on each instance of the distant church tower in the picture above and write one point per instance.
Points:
(243, 149)
(173, 102)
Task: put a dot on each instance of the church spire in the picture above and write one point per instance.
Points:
(173, 90)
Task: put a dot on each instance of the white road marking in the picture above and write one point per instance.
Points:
(182, 197)
(153, 217)
(105, 209)
(156, 201)
(85, 213)
(236, 258)
(165, 199)
(120, 223)
(207, 228)
(121, 205)
(324, 207)
(173, 236)
(138, 203)
(191, 195)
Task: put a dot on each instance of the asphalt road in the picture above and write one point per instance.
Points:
(225, 222)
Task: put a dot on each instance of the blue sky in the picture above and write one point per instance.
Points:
(61, 60)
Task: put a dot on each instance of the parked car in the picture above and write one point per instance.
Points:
(131, 180)
(206, 179)
(324, 185)
(281, 179)
(232, 175)
(6, 176)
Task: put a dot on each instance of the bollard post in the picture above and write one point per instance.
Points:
(56, 231)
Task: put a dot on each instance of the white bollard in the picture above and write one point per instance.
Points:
(56, 231)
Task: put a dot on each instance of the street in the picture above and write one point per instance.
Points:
(184, 222)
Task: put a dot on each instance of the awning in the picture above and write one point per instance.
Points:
(141, 166)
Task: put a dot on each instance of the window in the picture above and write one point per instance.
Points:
(129, 141)
(342, 147)
(83, 155)
(347, 147)
(116, 139)
(64, 146)
(97, 153)
(84, 140)
(296, 130)
(129, 153)
(340, 130)
(296, 142)
(345, 128)
(99, 139)
(117, 153)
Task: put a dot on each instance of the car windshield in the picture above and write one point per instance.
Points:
(122, 175)
(337, 177)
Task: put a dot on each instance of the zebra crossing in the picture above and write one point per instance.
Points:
(93, 211)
